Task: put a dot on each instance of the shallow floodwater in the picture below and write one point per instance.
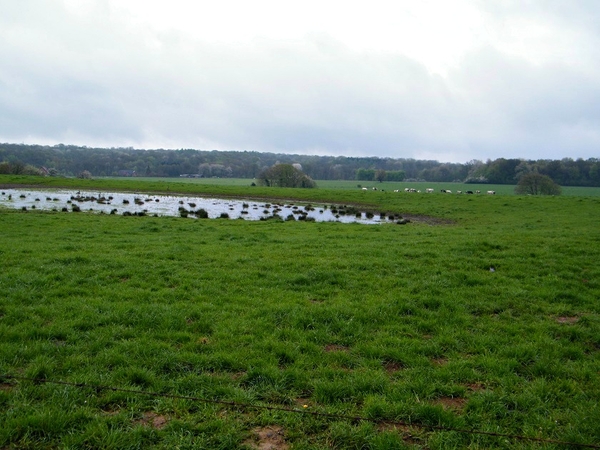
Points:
(170, 205)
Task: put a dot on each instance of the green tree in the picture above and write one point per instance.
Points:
(380, 175)
(534, 183)
(365, 174)
(395, 175)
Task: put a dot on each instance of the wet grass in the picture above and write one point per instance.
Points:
(489, 321)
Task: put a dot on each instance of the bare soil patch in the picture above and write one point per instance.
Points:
(268, 438)
(476, 387)
(442, 361)
(452, 403)
(336, 348)
(407, 432)
(567, 319)
(392, 366)
(152, 419)
(303, 402)
(429, 220)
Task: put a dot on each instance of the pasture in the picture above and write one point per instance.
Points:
(481, 314)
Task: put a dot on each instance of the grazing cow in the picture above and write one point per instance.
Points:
(459, 192)
(448, 191)
(491, 192)
(429, 190)
(365, 189)
(443, 191)
(396, 190)
(478, 191)
(469, 192)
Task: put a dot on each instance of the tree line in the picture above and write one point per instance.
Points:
(70, 160)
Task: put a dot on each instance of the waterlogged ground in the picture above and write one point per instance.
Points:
(190, 206)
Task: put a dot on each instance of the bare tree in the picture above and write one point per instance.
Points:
(285, 175)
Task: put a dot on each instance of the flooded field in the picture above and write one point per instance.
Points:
(182, 206)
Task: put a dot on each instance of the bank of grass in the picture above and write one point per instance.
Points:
(489, 321)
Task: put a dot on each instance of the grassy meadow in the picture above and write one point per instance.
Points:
(482, 313)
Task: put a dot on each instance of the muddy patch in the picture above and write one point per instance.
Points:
(440, 362)
(405, 431)
(476, 387)
(567, 319)
(392, 366)
(452, 403)
(429, 220)
(303, 403)
(152, 419)
(336, 348)
(237, 375)
(268, 438)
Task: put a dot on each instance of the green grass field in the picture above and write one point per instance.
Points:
(481, 314)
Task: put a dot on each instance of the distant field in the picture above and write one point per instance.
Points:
(502, 189)
(480, 314)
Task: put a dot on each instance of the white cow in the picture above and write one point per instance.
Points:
(491, 192)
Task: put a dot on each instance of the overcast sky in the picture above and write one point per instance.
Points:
(429, 79)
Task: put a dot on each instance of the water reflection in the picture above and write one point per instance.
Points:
(183, 206)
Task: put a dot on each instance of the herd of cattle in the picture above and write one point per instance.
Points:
(429, 191)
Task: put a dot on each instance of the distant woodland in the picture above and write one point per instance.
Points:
(69, 160)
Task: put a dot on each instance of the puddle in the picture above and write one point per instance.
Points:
(186, 206)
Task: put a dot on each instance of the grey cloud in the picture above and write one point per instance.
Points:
(110, 85)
